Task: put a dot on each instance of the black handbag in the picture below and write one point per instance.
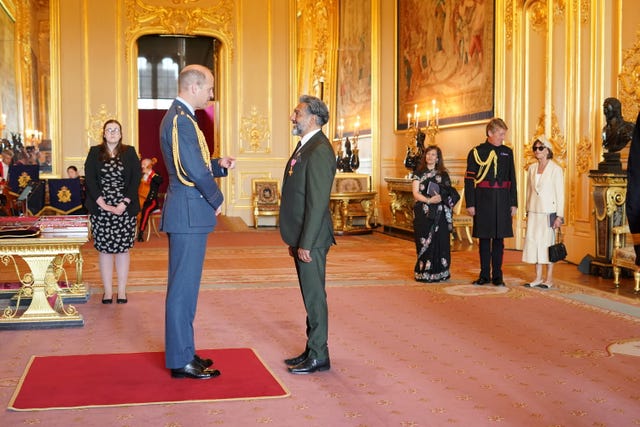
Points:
(558, 251)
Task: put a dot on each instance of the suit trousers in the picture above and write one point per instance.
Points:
(491, 253)
(311, 277)
(186, 257)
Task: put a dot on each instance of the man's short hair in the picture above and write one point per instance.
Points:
(495, 124)
(317, 107)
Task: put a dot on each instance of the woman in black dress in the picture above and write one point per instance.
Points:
(432, 224)
(112, 175)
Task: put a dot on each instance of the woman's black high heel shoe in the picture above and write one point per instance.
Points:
(106, 301)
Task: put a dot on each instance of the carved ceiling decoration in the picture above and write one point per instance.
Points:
(629, 80)
(214, 17)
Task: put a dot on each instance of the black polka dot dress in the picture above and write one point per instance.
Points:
(113, 233)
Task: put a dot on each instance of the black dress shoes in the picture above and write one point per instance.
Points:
(107, 300)
(204, 363)
(297, 360)
(309, 366)
(195, 371)
(481, 281)
(121, 300)
(498, 281)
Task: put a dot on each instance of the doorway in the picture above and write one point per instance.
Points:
(160, 60)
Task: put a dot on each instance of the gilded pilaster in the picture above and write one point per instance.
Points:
(629, 78)
(316, 35)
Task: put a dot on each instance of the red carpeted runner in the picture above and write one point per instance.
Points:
(82, 381)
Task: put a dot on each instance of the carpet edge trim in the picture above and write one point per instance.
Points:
(169, 402)
(21, 382)
(268, 368)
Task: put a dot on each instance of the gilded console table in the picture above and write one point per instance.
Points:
(345, 206)
(44, 256)
(401, 204)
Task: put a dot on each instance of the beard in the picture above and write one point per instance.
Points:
(296, 130)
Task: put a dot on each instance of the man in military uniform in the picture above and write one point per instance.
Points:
(633, 189)
(492, 199)
(193, 201)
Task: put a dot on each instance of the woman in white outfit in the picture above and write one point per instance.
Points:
(545, 210)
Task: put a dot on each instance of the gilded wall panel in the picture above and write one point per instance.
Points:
(254, 132)
(629, 80)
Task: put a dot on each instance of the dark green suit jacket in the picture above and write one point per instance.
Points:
(305, 219)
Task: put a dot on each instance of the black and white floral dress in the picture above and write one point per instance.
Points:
(113, 233)
(432, 226)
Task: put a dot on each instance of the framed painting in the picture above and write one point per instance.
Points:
(353, 104)
(444, 61)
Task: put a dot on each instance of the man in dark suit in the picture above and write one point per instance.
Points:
(492, 199)
(633, 189)
(192, 202)
(306, 225)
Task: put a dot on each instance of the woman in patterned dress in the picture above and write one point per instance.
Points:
(432, 224)
(112, 175)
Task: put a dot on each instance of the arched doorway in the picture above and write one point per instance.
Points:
(160, 60)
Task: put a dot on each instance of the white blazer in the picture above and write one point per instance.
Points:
(547, 196)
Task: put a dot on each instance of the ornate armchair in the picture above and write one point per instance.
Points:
(624, 257)
(462, 220)
(266, 199)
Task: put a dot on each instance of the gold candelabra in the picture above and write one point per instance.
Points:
(431, 124)
(32, 136)
(347, 158)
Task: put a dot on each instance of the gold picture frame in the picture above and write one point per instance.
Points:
(445, 53)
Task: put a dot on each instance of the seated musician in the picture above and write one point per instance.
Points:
(72, 172)
(5, 197)
(148, 193)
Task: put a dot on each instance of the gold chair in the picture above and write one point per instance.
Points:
(154, 219)
(461, 220)
(266, 199)
(624, 257)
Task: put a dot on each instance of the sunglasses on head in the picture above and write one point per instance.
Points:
(539, 147)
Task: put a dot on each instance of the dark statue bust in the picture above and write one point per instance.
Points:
(616, 134)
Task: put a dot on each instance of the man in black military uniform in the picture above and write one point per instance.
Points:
(492, 199)
(633, 189)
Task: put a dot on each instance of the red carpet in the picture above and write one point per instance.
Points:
(81, 381)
